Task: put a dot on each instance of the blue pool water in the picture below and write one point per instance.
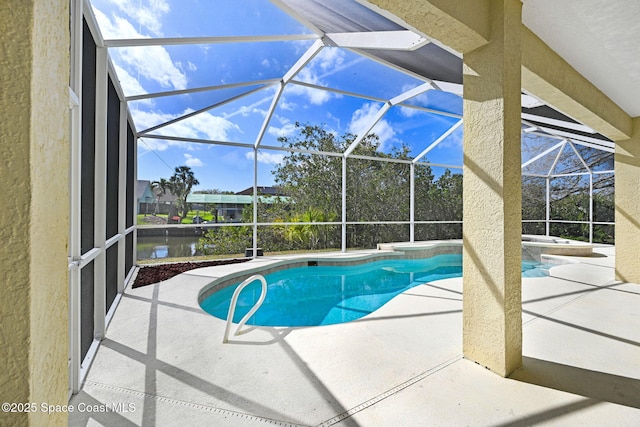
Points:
(322, 295)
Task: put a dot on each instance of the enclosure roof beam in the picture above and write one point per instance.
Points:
(579, 156)
(575, 141)
(366, 131)
(541, 155)
(267, 117)
(438, 141)
(391, 40)
(200, 89)
(315, 48)
(561, 123)
(197, 140)
(574, 137)
(202, 110)
(555, 162)
(338, 91)
(394, 101)
(172, 41)
(418, 90)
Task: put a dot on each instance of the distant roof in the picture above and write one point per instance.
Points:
(141, 187)
(267, 191)
(231, 199)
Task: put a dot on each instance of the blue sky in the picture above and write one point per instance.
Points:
(176, 67)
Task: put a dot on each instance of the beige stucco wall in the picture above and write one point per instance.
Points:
(34, 147)
(492, 334)
(492, 316)
(627, 168)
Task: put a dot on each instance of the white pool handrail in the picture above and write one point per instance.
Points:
(234, 300)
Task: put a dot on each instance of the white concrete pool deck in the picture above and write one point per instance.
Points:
(401, 366)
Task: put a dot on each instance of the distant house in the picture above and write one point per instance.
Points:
(229, 206)
(145, 199)
(151, 200)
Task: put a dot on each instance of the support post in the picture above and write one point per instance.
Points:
(627, 170)
(492, 227)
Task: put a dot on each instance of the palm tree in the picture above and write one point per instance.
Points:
(180, 184)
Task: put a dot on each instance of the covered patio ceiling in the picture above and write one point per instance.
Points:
(382, 62)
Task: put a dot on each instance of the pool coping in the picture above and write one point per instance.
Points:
(268, 265)
(548, 249)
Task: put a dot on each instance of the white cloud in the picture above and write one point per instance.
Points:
(151, 62)
(146, 13)
(314, 96)
(154, 63)
(454, 140)
(192, 161)
(289, 106)
(130, 85)
(149, 144)
(284, 131)
(330, 58)
(201, 126)
(245, 110)
(204, 125)
(268, 158)
(118, 28)
(328, 61)
(422, 99)
(408, 112)
(364, 117)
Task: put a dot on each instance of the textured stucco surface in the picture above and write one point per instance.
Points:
(492, 323)
(627, 168)
(460, 24)
(14, 221)
(34, 69)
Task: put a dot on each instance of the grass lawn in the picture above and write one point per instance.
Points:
(153, 219)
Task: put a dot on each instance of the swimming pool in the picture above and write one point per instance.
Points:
(325, 295)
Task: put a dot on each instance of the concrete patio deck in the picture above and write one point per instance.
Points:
(164, 363)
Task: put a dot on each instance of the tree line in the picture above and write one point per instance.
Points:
(379, 191)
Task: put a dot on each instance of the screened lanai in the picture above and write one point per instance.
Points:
(252, 96)
(228, 91)
(319, 126)
(225, 100)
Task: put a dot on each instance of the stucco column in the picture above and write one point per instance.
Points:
(627, 168)
(492, 309)
(34, 219)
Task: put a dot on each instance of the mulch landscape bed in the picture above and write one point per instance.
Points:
(151, 274)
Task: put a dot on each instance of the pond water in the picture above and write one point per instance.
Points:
(166, 246)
